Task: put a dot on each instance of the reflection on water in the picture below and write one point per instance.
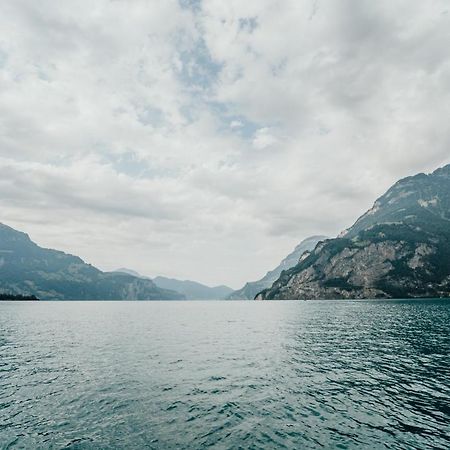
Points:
(330, 374)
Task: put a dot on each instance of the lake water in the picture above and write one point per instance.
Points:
(190, 375)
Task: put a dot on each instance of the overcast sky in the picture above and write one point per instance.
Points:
(204, 139)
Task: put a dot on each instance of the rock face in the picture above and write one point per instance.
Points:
(27, 269)
(252, 288)
(400, 248)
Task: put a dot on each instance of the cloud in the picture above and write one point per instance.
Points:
(203, 140)
(236, 124)
(264, 138)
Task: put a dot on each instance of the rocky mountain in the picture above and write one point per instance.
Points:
(252, 288)
(193, 290)
(27, 269)
(400, 248)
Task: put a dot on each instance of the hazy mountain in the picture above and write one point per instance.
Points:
(131, 272)
(193, 290)
(400, 248)
(252, 288)
(190, 290)
(27, 269)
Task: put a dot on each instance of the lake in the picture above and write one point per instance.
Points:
(190, 375)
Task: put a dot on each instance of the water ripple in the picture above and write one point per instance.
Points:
(247, 375)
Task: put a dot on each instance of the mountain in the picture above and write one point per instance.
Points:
(249, 291)
(190, 290)
(27, 269)
(400, 248)
(193, 290)
(131, 272)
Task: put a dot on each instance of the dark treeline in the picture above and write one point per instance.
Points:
(6, 296)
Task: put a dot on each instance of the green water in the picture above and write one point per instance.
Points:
(192, 375)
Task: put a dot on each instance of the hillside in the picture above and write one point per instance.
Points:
(27, 269)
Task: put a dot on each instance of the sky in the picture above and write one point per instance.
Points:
(203, 140)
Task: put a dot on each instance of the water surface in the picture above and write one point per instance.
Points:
(165, 375)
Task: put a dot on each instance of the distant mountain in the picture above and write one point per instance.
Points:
(193, 290)
(400, 248)
(249, 291)
(27, 269)
(190, 290)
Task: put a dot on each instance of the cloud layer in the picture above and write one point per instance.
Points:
(203, 140)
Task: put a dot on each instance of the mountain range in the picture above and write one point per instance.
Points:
(191, 290)
(400, 248)
(27, 269)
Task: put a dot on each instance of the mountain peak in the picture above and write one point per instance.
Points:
(6, 232)
(443, 171)
(420, 195)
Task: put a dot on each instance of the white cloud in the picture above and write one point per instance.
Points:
(205, 142)
(264, 138)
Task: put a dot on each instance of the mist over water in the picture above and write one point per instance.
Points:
(324, 374)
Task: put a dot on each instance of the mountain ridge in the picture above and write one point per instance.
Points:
(193, 290)
(399, 248)
(28, 269)
(251, 288)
